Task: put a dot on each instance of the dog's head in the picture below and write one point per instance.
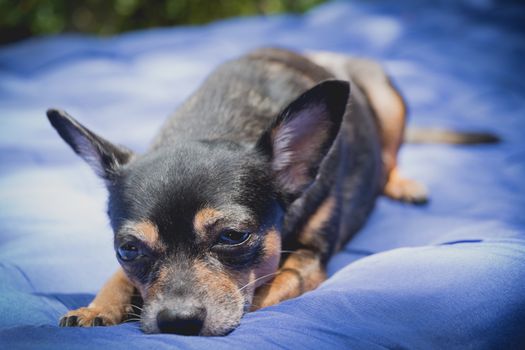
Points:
(197, 223)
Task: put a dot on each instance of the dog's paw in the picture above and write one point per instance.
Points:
(91, 317)
(405, 190)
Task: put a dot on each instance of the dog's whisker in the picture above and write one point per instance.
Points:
(134, 306)
(258, 279)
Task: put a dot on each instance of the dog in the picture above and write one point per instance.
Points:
(250, 187)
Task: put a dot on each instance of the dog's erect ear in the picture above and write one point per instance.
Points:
(103, 156)
(300, 137)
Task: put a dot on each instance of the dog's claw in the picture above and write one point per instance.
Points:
(72, 321)
(97, 321)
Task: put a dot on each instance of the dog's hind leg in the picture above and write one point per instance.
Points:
(390, 109)
(111, 305)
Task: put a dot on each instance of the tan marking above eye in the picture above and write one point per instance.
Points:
(148, 231)
(205, 218)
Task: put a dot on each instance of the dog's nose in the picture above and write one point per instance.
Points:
(184, 322)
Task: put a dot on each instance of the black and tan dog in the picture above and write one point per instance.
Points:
(251, 186)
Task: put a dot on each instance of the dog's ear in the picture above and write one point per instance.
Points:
(300, 137)
(104, 157)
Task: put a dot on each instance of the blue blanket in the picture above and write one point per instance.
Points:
(448, 275)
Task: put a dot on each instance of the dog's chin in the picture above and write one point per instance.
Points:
(216, 330)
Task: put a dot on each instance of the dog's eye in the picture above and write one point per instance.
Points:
(128, 252)
(231, 237)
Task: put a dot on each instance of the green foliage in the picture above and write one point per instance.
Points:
(22, 18)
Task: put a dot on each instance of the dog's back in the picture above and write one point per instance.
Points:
(242, 96)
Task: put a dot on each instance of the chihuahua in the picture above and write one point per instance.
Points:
(250, 187)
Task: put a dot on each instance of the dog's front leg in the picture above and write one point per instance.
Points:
(110, 306)
(302, 271)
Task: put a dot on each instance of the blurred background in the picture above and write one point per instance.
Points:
(20, 19)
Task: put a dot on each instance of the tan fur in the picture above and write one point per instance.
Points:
(401, 188)
(301, 272)
(205, 218)
(271, 259)
(148, 231)
(389, 107)
(111, 304)
(317, 220)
